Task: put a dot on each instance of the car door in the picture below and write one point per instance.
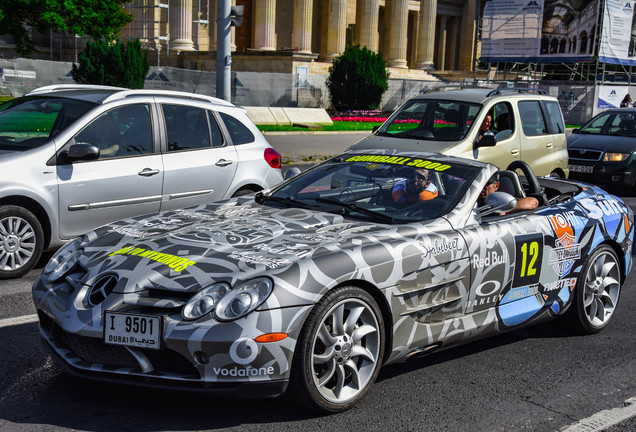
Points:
(511, 267)
(199, 162)
(538, 146)
(507, 149)
(125, 181)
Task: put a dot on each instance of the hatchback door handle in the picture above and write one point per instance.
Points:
(147, 172)
(223, 162)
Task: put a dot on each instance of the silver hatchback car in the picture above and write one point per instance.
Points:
(74, 157)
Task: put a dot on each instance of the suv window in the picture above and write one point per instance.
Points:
(556, 125)
(29, 122)
(123, 131)
(532, 118)
(503, 117)
(432, 119)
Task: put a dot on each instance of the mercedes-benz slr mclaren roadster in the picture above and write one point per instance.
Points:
(310, 287)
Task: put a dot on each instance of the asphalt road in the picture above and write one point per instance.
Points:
(539, 379)
(311, 147)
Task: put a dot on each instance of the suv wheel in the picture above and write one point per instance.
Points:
(21, 241)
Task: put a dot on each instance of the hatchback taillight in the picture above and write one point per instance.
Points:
(272, 157)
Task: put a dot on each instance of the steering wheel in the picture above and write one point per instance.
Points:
(534, 189)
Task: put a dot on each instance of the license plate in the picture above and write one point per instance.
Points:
(141, 331)
(581, 168)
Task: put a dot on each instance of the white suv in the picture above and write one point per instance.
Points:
(74, 157)
(528, 126)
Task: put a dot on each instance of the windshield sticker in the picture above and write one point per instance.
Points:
(174, 262)
(398, 160)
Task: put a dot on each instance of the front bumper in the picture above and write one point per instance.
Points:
(81, 369)
(611, 174)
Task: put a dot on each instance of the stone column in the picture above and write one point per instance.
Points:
(181, 25)
(452, 36)
(367, 18)
(301, 32)
(336, 37)
(426, 37)
(398, 25)
(265, 25)
(441, 42)
(467, 36)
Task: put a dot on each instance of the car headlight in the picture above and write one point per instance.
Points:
(64, 260)
(243, 299)
(615, 157)
(205, 301)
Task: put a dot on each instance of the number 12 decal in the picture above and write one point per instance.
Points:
(529, 254)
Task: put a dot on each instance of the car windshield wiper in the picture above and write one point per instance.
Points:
(354, 207)
(289, 202)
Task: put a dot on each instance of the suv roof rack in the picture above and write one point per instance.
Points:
(129, 93)
(64, 87)
(517, 90)
(450, 87)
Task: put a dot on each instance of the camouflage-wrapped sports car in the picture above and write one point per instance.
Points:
(313, 285)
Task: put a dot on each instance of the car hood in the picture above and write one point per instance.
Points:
(237, 240)
(605, 143)
(382, 142)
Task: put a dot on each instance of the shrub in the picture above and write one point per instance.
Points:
(357, 79)
(114, 64)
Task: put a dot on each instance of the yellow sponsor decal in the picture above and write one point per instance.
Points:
(398, 160)
(176, 263)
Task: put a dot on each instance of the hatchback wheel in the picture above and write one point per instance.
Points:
(339, 352)
(21, 241)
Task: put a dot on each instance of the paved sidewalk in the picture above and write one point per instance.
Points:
(299, 148)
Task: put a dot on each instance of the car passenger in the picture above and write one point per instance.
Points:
(523, 204)
(416, 188)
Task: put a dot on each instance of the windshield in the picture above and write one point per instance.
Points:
(429, 119)
(612, 123)
(29, 122)
(384, 189)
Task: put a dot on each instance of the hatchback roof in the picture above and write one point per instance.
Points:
(104, 94)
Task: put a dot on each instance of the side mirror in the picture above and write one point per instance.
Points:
(292, 172)
(487, 140)
(497, 202)
(375, 128)
(82, 151)
(576, 130)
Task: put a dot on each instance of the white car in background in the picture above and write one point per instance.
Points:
(74, 157)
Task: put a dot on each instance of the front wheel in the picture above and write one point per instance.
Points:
(339, 352)
(21, 241)
(597, 291)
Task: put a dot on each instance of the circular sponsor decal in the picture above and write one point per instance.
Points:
(243, 351)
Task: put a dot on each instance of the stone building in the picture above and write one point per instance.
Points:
(414, 36)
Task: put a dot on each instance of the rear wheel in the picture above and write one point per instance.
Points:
(21, 241)
(339, 352)
(597, 291)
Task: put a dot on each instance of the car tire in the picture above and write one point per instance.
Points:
(21, 241)
(597, 292)
(241, 192)
(339, 352)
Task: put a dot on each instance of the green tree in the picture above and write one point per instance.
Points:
(357, 79)
(99, 19)
(112, 63)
